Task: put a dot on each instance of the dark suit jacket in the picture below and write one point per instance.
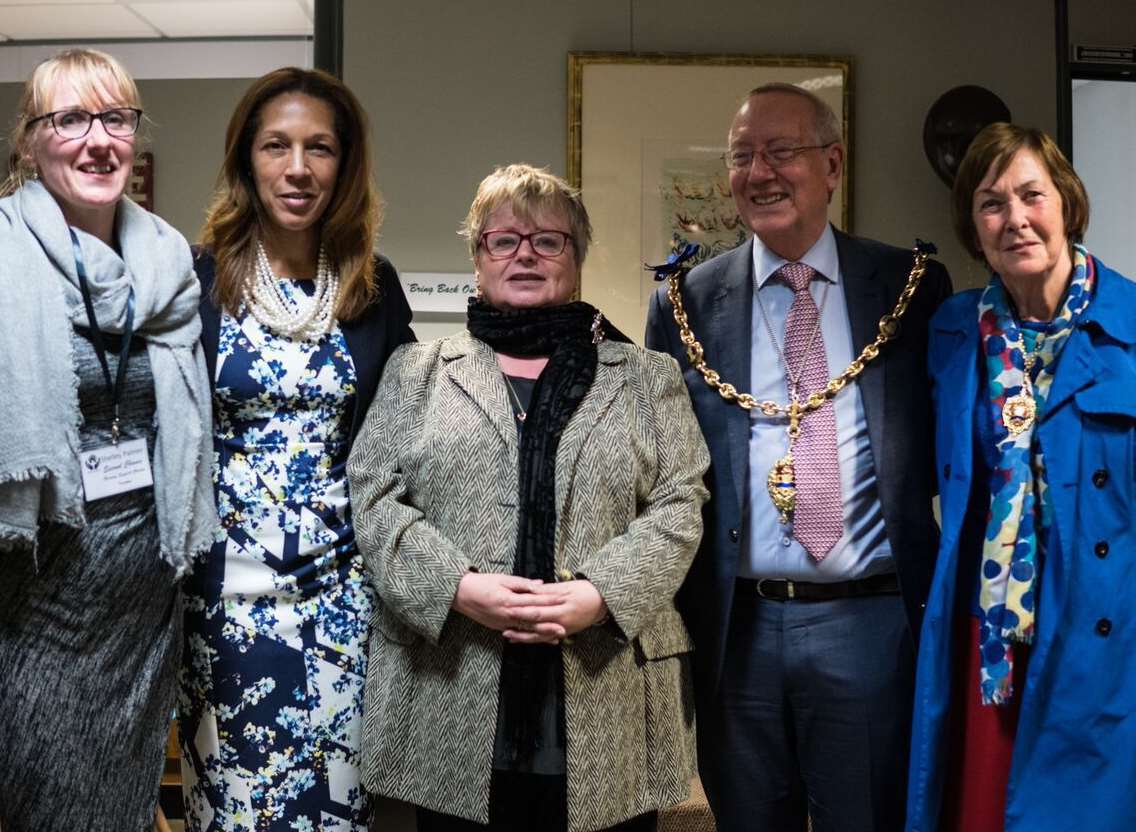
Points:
(895, 390)
(371, 338)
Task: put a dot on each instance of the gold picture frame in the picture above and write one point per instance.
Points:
(645, 132)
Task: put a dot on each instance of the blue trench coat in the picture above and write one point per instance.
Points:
(1074, 758)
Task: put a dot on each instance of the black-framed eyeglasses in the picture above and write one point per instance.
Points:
(773, 157)
(504, 242)
(120, 122)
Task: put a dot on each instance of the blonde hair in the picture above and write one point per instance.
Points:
(92, 73)
(527, 191)
(349, 224)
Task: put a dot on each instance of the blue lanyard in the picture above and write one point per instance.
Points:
(114, 388)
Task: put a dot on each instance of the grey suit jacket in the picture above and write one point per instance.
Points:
(433, 478)
(897, 403)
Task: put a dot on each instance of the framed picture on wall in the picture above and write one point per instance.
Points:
(646, 133)
(140, 187)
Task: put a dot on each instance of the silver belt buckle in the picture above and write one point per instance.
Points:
(790, 590)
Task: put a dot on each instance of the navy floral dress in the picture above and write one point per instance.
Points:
(277, 613)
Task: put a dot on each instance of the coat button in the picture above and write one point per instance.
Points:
(1104, 627)
(1100, 477)
(734, 535)
(947, 471)
(1101, 549)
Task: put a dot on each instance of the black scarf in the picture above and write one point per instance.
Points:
(530, 724)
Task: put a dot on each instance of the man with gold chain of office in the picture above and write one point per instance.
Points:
(805, 599)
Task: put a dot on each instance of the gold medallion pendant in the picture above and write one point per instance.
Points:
(782, 486)
(1018, 412)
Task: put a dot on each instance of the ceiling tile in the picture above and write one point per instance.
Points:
(56, 2)
(51, 21)
(219, 18)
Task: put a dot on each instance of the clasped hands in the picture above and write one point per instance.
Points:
(529, 611)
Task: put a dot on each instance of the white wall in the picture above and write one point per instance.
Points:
(1104, 154)
(188, 89)
(456, 88)
(185, 132)
(1102, 22)
(1104, 134)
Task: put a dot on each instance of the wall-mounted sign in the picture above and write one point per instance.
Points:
(140, 188)
(1104, 54)
(438, 291)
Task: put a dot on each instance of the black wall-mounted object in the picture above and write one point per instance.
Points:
(952, 123)
(1064, 97)
(327, 46)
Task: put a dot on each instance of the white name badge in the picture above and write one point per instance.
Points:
(113, 469)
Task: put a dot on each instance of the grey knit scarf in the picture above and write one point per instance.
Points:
(40, 301)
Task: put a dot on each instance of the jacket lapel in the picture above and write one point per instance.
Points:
(1081, 364)
(1078, 367)
(365, 342)
(729, 350)
(471, 365)
(608, 382)
(865, 301)
(205, 269)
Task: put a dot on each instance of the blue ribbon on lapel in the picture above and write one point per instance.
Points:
(675, 263)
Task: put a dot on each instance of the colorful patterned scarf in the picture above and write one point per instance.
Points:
(1019, 496)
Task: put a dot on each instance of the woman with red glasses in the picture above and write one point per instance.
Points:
(527, 499)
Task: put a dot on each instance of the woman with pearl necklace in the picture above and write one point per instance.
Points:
(298, 319)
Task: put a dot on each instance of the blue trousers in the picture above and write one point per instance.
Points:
(812, 716)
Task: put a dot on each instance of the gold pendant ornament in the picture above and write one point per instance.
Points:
(782, 486)
(1018, 412)
(782, 480)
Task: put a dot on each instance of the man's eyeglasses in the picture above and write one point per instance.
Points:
(500, 244)
(74, 124)
(774, 157)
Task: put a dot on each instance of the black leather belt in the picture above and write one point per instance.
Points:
(782, 589)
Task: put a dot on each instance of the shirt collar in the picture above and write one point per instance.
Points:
(822, 257)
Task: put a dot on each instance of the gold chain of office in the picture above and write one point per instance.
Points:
(795, 410)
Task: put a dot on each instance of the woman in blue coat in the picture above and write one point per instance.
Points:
(1026, 684)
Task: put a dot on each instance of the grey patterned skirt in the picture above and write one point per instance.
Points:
(89, 647)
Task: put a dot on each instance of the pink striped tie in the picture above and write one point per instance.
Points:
(818, 519)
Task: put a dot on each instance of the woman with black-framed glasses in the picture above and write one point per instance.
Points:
(73, 123)
(105, 492)
(527, 500)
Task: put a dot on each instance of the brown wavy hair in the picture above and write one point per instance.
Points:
(350, 222)
(993, 149)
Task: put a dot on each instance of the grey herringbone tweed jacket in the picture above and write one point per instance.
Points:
(433, 478)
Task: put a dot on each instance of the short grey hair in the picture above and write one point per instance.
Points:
(825, 123)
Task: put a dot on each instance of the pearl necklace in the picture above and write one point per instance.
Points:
(292, 317)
